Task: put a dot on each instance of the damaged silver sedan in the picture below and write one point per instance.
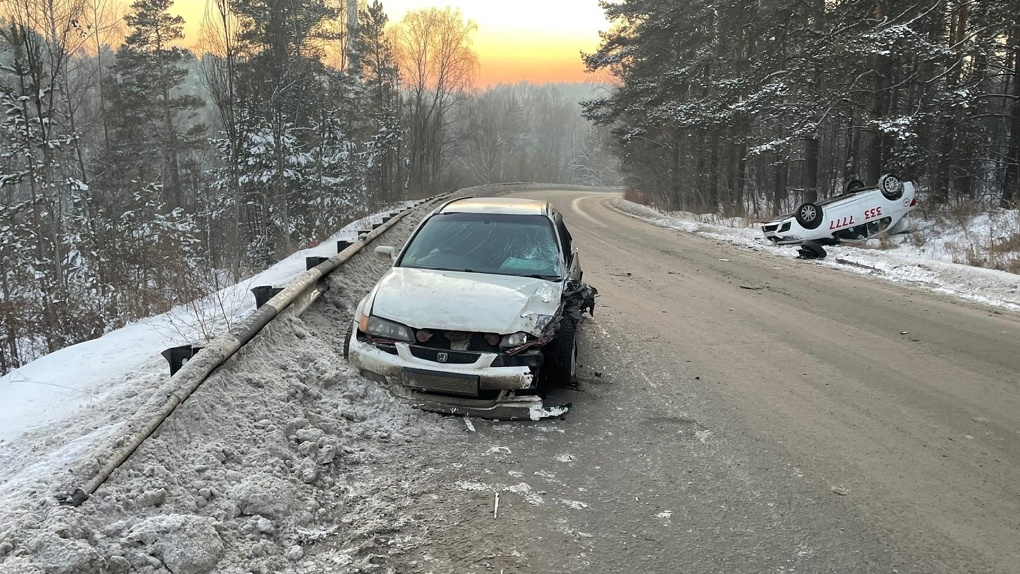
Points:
(479, 313)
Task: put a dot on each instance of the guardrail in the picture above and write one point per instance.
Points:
(296, 297)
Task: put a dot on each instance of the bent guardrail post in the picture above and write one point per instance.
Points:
(192, 374)
(263, 293)
(179, 356)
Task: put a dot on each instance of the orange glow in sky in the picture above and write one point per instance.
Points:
(535, 40)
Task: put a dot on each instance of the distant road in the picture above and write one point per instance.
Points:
(746, 413)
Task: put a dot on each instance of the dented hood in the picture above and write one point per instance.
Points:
(474, 302)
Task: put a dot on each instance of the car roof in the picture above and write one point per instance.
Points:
(503, 205)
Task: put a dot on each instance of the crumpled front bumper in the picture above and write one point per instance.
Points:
(388, 369)
(508, 406)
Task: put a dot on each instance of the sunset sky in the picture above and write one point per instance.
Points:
(535, 40)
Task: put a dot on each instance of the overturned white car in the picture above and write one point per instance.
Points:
(478, 313)
(858, 214)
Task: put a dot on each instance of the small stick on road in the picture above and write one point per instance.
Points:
(495, 508)
(856, 264)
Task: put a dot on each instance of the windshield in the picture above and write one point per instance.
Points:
(521, 245)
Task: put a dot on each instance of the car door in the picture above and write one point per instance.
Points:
(843, 213)
(571, 258)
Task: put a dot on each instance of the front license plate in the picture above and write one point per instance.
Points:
(436, 382)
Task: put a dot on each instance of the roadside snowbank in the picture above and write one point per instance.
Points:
(278, 450)
(923, 259)
(283, 461)
(79, 377)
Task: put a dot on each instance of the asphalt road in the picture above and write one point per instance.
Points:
(741, 412)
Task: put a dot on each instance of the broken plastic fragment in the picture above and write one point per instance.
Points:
(539, 413)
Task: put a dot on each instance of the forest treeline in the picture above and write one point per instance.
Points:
(136, 175)
(747, 106)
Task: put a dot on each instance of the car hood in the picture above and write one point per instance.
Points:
(473, 302)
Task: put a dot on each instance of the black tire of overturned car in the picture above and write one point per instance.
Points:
(811, 250)
(563, 354)
(891, 186)
(809, 215)
(854, 185)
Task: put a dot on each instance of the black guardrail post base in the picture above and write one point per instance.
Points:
(343, 244)
(311, 262)
(179, 356)
(264, 293)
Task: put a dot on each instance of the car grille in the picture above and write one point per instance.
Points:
(775, 227)
(451, 357)
(439, 340)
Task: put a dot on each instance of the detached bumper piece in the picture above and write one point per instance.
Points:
(508, 406)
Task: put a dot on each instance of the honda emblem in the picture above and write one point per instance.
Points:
(442, 357)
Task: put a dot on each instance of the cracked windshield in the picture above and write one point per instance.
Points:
(520, 245)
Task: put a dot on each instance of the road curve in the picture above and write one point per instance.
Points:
(741, 412)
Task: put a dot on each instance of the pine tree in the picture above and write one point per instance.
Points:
(149, 71)
(278, 77)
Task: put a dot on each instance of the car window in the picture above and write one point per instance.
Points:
(865, 230)
(565, 239)
(522, 245)
(876, 227)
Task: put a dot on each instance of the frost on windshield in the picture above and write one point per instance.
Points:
(499, 244)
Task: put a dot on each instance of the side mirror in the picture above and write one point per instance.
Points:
(385, 253)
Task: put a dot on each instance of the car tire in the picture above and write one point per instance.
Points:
(811, 250)
(563, 358)
(854, 185)
(347, 344)
(809, 215)
(890, 186)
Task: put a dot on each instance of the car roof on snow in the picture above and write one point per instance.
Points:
(508, 205)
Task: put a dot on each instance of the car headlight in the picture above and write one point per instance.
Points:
(384, 329)
(512, 341)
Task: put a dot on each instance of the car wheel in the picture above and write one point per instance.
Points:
(809, 215)
(891, 187)
(563, 358)
(854, 185)
(811, 250)
(347, 344)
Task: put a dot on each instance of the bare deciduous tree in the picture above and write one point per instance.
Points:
(433, 48)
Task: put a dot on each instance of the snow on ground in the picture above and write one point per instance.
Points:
(62, 383)
(279, 449)
(284, 461)
(923, 259)
(60, 408)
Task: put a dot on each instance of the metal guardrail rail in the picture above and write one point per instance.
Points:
(296, 297)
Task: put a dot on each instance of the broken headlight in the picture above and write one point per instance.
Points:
(383, 329)
(513, 341)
